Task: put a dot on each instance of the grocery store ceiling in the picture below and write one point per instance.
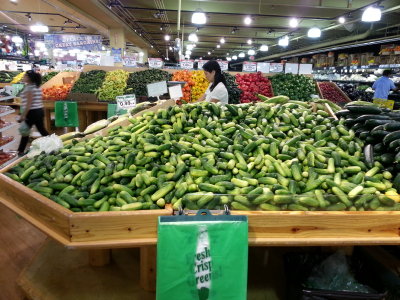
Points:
(270, 21)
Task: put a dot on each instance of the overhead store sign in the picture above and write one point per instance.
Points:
(73, 41)
(117, 54)
(130, 61)
(156, 63)
(187, 64)
(249, 66)
(201, 63)
(223, 64)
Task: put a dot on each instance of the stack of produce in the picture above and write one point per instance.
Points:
(7, 76)
(138, 81)
(330, 91)
(114, 85)
(252, 84)
(185, 75)
(356, 93)
(6, 156)
(263, 156)
(46, 77)
(233, 90)
(200, 84)
(56, 92)
(379, 128)
(18, 77)
(297, 87)
(89, 82)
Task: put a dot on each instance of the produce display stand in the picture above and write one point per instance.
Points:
(100, 231)
(334, 86)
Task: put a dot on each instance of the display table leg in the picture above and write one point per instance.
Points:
(82, 119)
(99, 257)
(148, 258)
(47, 119)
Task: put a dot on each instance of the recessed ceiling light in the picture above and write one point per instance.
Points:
(241, 54)
(284, 41)
(249, 41)
(247, 20)
(209, 53)
(314, 32)
(167, 37)
(371, 14)
(293, 22)
(264, 48)
(193, 38)
(342, 20)
(199, 17)
(228, 59)
(251, 52)
(39, 28)
(234, 57)
(218, 46)
(222, 40)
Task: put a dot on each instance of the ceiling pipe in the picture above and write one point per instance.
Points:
(178, 25)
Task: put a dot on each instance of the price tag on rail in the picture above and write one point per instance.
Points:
(384, 103)
(157, 89)
(223, 64)
(156, 63)
(187, 64)
(249, 66)
(126, 101)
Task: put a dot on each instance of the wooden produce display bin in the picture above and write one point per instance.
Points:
(61, 79)
(334, 86)
(86, 97)
(85, 229)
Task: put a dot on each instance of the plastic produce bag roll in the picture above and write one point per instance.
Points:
(202, 257)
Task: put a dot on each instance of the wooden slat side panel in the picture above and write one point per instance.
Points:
(320, 227)
(40, 211)
(114, 226)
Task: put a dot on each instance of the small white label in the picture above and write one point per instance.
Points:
(156, 63)
(201, 63)
(223, 64)
(276, 68)
(187, 64)
(175, 92)
(263, 67)
(126, 101)
(249, 66)
(157, 89)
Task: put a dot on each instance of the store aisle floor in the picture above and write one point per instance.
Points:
(19, 242)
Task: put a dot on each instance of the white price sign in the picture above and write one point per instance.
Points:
(157, 89)
(201, 63)
(156, 63)
(187, 64)
(249, 66)
(276, 68)
(292, 68)
(126, 101)
(175, 92)
(263, 67)
(223, 64)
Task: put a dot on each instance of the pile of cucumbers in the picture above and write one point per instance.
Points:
(379, 128)
(264, 156)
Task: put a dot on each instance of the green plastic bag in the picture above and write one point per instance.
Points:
(202, 257)
(66, 114)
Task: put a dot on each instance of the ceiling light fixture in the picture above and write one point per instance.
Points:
(228, 59)
(17, 39)
(28, 15)
(39, 28)
(14, 1)
(284, 41)
(234, 30)
(264, 48)
(234, 57)
(112, 3)
(241, 54)
(249, 41)
(341, 20)
(293, 22)
(314, 32)
(222, 40)
(218, 46)
(193, 38)
(170, 48)
(167, 37)
(162, 27)
(68, 21)
(199, 17)
(209, 53)
(372, 14)
(197, 29)
(247, 20)
(251, 52)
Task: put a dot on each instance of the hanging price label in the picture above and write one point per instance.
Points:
(126, 101)
(187, 64)
(384, 103)
(263, 67)
(223, 64)
(157, 89)
(156, 63)
(276, 68)
(201, 63)
(249, 66)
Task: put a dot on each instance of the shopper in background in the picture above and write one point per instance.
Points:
(216, 91)
(383, 85)
(32, 112)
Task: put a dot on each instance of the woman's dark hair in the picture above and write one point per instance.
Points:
(213, 65)
(34, 77)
